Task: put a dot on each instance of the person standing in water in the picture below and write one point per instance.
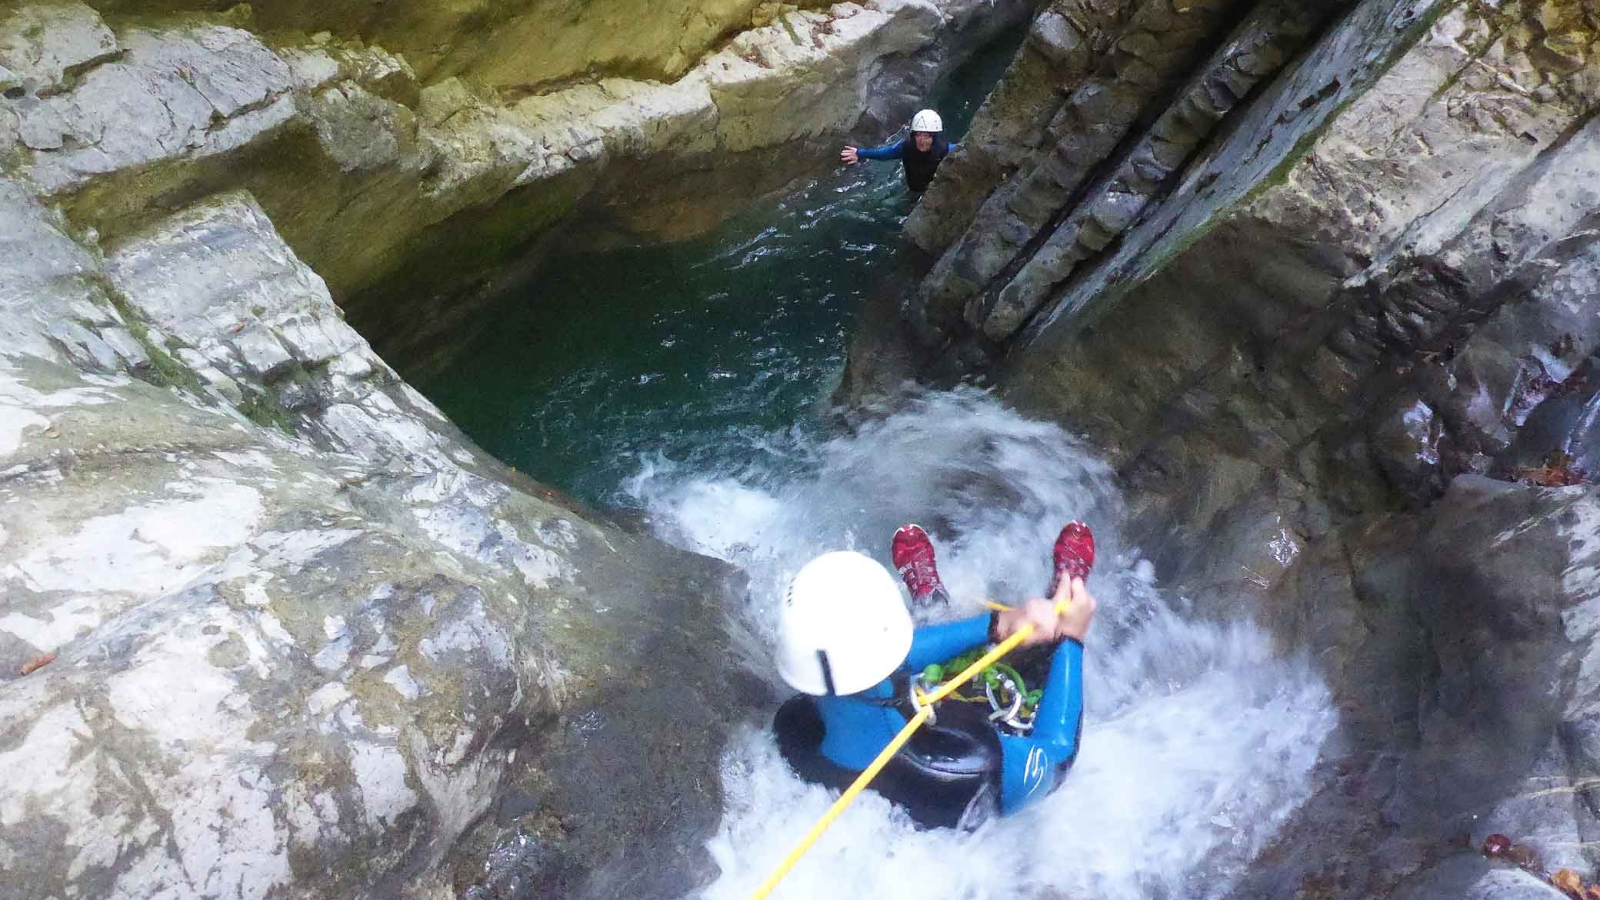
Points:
(920, 154)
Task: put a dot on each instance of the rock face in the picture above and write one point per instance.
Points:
(517, 44)
(306, 640)
(393, 160)
(1308, 273)
(269, 626)
(1460, 642)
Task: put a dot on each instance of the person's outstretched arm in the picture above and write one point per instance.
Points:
(1031, 766)
(852, 155)
(936, 643)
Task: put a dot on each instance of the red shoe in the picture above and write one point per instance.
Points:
(1074, 554)
(912, 554)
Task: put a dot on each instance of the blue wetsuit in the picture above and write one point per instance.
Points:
(896, 150)
(858, 726)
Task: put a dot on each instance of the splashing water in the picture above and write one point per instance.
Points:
(1199, 740)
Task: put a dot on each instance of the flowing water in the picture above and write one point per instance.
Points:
(1198, 741)
(693, 350)
(683, 382)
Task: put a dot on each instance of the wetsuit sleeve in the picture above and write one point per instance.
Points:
(896, 150)
(1032, 765)
(937, 643)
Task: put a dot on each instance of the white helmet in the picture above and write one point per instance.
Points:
(927, 120)
(843, 627)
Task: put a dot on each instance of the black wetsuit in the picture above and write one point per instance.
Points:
(919, 165)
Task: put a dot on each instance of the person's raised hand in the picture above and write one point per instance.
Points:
(848, 156)
(1075, 619)
(1041, 614)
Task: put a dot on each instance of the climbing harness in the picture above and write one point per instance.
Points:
(923, 703)
(1010, 702)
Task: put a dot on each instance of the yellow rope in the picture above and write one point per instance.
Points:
(839, 805)
(926, 702)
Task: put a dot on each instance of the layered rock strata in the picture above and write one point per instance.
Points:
(1307, 292)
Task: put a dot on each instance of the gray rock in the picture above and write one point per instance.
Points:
(10, 83)
(360, 131)
(47, 42)
(133, 354)
(186, 83)
(40, 126)
(1101, 107)
(84, 347)
(314, 341)
(1052, 33)
(210, 581)
(220, 272)
(225, 388)
(46, 273)
(1375, 285)
(228, 67)
(261, 352)
(1471, 878)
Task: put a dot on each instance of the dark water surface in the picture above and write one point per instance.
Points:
(698, 351)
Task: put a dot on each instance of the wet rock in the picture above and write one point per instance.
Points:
(1491, 572)
(1087, 130)
(1455, 638)
(1562, 424)
(1374, 286)
(1475, 879)
(1405, 441)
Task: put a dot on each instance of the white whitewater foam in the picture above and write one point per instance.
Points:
(1199, 739)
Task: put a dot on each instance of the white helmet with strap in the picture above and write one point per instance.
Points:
(927, 120)
(843, 627)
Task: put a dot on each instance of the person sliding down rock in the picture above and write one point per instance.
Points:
(919, 156)
(847, 643)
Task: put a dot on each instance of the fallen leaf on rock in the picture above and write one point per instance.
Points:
(1523, 856)
(1592, 892)
(1558, 470)
(37, 663)
(1568, 882)
(1496, 845)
